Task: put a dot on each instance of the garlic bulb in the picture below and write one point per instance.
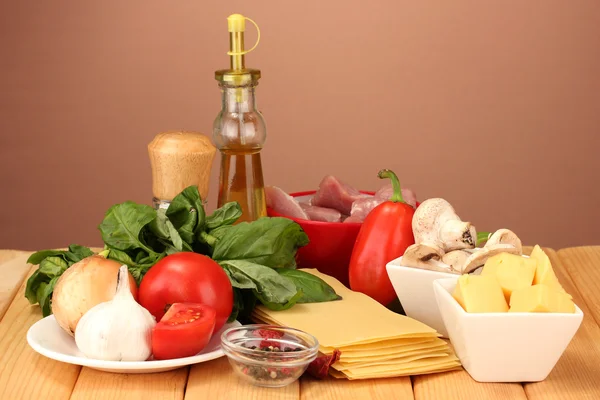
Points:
(116, 330)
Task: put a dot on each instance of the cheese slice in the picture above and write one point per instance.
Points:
(541, 298)
(512, 272)
(544, 273)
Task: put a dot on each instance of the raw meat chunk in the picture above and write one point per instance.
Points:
(283, 203)
(362, 207)
(321, 213)
(336, 194)
(385, 192)
(353, 219)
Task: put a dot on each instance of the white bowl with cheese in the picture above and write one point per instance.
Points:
(414, 288)
(505, 346)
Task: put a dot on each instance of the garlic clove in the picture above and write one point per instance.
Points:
(116, 330)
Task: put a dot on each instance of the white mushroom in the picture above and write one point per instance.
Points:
(505, 236)
(479, 258)
(425, 256)
(436, 222)
(456, 259)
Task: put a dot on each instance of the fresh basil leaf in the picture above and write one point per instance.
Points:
(239, 279)
(314, 289)
(158, 226)
(120, 256)
(175, 238)
(37, 257)
(53, 266)
(277, 306)
(226, 215)
(187, 213)
(39, 293)
(267, 241)
(137, 269)
(77, 253)
(123, 223)
(33, 283)
(272, 287)
(244, 302)
(140, 255)
(45, 297)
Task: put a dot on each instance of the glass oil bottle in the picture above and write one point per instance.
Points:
(239, 130)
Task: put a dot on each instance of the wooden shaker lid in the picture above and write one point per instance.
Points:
(180, 159)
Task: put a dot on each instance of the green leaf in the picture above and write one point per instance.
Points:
(120, 256)
(158, 226)
(78, 252)
(33, 283)
(239, 279)
(244, 302)
(137, 269)
(187, 213)
(272, 287)
(277, 306)
(45, 297)
(314, 289)
(123, 223)
(36, 258)
(53, 266)
(226, 215)
(267, 241)
(175, 238)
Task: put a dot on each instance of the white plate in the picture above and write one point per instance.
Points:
(48, 339)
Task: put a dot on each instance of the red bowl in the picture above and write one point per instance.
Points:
(330, 246)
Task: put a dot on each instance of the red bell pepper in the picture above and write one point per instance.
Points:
(384, 236)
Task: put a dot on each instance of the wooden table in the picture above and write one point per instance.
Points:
(26, 375)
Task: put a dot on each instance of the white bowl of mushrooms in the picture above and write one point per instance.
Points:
(445, 247)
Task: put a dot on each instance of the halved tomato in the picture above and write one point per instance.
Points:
(183, 331)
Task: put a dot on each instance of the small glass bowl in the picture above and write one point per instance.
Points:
(268, 355)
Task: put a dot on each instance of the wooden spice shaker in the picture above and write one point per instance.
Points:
(179, 159)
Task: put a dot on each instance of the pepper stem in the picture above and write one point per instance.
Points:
(388, 174)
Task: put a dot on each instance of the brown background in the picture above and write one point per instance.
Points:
(493, 105)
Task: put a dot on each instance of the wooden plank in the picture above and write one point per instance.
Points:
(100, 385)
(458, 385)
(7, 255)
(374, 389)
(24, 374)
(13, 269)
(216, 380)
(577, 373)
(583, 266)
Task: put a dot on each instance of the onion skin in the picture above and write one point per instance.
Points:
(85, 284)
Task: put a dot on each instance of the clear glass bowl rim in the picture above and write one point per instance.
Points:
(294, 357)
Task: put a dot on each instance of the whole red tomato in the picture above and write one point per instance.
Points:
(187, 278)
(183, 331)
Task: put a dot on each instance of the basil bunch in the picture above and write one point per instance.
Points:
(259, 257)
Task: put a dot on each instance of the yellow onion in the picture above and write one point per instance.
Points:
(85, 284)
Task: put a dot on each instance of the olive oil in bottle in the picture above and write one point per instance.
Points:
(239, 131)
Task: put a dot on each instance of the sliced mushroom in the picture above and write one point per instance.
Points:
(425, 256)
(505, 236)
(456, 259)
(479, 258)
(458, 235)
(436, 222)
